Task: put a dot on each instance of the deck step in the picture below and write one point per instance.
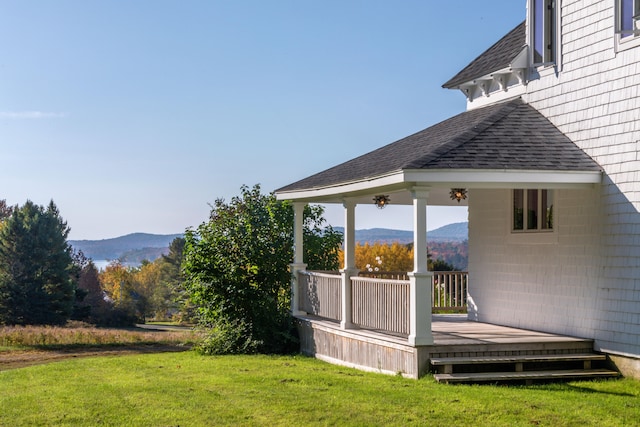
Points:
(440, 361)
(525, 376)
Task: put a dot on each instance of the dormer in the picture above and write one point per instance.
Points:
(498, 73)
(529, 51)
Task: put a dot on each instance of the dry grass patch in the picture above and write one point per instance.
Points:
(85, 335)
(22, 346)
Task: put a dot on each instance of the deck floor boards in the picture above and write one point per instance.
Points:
(457, 330)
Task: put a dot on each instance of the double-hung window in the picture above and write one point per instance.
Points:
(532, 210)
(544, 31)
(627, 18)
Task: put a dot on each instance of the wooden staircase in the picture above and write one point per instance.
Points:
(497, 365)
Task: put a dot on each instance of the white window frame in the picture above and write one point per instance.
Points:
(629, 37)
(551, 26)
(541, 213)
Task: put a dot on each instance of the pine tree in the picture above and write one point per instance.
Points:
(36, 283)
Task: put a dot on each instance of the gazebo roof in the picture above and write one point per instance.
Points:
(509, 136)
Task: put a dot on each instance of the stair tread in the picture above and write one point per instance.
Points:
(526, 375)
(514, 359)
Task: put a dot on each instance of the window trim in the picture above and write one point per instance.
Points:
(540, 221)
(538, 237)
(551, 32)
(632, 39)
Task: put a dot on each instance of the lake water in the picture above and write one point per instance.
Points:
(101, 264)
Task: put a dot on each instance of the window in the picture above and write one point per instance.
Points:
(544, 28)
(532, 210)
(627, 18)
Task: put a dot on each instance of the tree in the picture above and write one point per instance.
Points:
(93, 308)
(5, 210)
(118, 284)
(236, 271)
(149, 291)
(179, 305)
(36, 267)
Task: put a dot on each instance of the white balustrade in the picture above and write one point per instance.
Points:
(320, 294)
(378, 303)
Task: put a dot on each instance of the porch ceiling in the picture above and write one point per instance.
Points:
(506, 145)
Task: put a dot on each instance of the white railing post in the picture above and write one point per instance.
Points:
(349, 262)
(420, 279)
(298, 256)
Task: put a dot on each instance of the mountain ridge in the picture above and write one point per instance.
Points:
(456, 232)
(135, 247)
(115, 247)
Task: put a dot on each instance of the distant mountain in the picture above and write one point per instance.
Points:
(136, 247)
(456, 232)
(131, 246)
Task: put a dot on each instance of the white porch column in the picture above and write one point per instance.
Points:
(298, 256)
(349, 262)
(420, 279)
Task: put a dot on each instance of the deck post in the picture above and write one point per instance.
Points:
(349, 262)
(420, 278)
(298, 264)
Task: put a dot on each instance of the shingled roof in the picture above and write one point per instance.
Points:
(497, 57)
(506, 136)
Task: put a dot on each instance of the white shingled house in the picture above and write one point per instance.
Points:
(547, 158)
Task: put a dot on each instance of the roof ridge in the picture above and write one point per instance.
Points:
(505, 108)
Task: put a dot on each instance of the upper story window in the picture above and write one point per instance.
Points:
(532, 210)
(543, 24)
(627, 18)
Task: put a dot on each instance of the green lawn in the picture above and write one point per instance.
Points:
(186, 389)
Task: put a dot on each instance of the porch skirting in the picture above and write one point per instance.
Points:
(362, 349)
(454, 336)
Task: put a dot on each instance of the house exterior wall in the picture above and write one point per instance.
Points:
(586, 282)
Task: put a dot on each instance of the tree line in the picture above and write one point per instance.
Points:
(230, 274)
(44, 282)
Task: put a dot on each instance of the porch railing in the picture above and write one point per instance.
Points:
(380, 302)
(449, 291)
(320, 294)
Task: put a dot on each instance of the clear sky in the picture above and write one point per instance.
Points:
(133, 116)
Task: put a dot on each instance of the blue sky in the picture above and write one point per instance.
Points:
(134, 115)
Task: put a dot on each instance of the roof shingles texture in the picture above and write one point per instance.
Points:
(510, 135)
(497, 57)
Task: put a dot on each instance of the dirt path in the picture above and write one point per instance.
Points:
(15, 359)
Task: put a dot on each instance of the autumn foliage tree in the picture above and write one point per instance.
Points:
(390, 257)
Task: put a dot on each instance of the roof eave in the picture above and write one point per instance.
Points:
(467, 178)
(505, 178)
(387, 181)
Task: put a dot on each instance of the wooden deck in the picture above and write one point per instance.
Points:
(454, 337)
(456, 330)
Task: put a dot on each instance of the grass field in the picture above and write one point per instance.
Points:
(131, 379)
(186, 389)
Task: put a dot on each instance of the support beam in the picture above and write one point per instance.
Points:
(420, 279)
(298, 232)
(298, 256)
(349, 262)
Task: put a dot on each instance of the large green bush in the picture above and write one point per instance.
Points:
(236, 269)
